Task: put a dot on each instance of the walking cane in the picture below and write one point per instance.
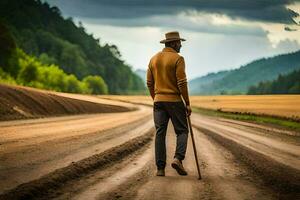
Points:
(194, 147)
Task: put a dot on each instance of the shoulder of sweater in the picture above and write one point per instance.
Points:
(180, 58)
(155, 55)
(175, 55)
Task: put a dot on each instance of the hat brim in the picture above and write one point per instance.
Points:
(170, 40)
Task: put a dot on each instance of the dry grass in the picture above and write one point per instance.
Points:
(287, 106)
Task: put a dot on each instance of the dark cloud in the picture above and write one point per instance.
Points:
(169, 22)
(255, 10)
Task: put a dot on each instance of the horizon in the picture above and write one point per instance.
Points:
(229, 69)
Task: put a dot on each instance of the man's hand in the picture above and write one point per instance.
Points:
(188, 110)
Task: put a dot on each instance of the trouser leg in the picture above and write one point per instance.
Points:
(161, 119)
(177, 114)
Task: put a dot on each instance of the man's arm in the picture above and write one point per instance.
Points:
(150, 81)
(182, 83)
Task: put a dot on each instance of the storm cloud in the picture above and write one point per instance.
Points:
(221, 34)
(261, 10)
(203, 24)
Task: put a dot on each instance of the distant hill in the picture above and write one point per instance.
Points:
(284, 84)
(142, 74)
(238, 81)
(198, 84)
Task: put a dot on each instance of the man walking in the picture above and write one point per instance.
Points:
(167, 83)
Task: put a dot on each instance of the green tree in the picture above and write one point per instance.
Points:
(6, 78)
(284, 84)
(28, 73)
(40, 30)
(8, 61)
(295, 89)
(45, 59)
(73, 85)
(96, 84)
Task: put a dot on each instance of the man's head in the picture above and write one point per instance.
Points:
(176, 45)
(173, 40)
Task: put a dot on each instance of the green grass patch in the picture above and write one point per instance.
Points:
(283, 123)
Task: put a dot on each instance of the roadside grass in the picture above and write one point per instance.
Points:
(277, 121)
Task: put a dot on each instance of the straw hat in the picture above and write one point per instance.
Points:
(172, 36)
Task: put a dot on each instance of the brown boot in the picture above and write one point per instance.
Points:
(160, 172)
(176, 164)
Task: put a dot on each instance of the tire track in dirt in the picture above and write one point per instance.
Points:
(172, 186)
(45, 185)
(131, 173)
(223, 177)
(24, 158)
(225, 174)
(259, 153)
(266, 129)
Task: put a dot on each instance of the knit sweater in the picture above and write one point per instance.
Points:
(166, 78)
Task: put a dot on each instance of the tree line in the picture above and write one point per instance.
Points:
(284, 84)
(17, 67)
(41, 32)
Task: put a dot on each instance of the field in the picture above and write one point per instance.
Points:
(271, 105)
(286, 106)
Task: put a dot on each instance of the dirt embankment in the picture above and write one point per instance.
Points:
(22, 103)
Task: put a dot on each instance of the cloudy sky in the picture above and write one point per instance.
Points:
(220, 34)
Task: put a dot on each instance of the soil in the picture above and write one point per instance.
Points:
(32, 148)
(111, 156)
(18, 102)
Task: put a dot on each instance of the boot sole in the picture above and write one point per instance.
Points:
(178, 169)
(160, 174)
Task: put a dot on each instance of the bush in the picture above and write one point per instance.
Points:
(31, 72)
(6, 78)
(28, 73)
(96, 84)
(73, 85)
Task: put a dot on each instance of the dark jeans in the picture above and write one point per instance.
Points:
(162, 112)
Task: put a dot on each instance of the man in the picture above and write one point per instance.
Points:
(167, 84)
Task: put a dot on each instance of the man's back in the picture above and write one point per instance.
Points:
(166, 74)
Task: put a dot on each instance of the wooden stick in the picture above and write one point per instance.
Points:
(194, 147)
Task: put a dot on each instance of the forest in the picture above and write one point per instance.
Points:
(284, 84)
(40, 48)
(237, 81)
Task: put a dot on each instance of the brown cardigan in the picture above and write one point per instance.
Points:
(166, 78)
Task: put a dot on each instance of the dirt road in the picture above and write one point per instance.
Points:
(238, 160)
(32, 148)
(224, 177)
